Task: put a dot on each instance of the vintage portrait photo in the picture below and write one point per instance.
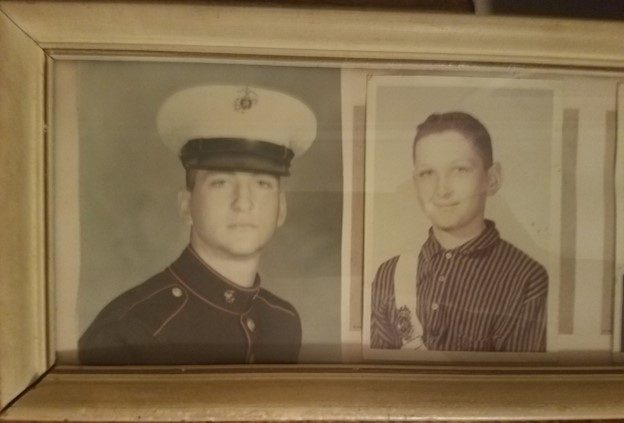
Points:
(197, 213)
(462, 212)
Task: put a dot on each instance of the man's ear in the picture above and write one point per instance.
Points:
(495, 178)
(282, 209)
(184, 206)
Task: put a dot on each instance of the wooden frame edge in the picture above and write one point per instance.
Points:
(23, 333)
(344, 34)
(345, 395)
(30, 29)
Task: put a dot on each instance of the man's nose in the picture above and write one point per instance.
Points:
(242, 200)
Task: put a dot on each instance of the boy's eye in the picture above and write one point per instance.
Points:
(462, 169)
(425, 173)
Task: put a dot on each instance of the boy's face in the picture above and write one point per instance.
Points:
(452, 182)
(233, 214)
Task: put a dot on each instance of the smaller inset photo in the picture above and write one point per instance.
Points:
(462, 240)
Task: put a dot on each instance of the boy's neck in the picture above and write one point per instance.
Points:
(450, 239)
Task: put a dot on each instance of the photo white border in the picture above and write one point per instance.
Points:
(553, 265)
(618, 309)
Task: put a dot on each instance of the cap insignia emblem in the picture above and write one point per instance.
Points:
(246, 100)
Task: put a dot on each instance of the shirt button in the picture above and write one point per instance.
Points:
(176, 292)
(251, 325)
(441, 278)
(434, 306)
(448, 255)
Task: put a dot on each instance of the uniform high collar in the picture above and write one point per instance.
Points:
(485, 240)
(206, 283)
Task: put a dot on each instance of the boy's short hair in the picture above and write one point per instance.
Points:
(463, 123)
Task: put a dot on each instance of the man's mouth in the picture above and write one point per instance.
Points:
(242, 226)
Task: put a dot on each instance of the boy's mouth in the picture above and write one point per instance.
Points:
(446, 205)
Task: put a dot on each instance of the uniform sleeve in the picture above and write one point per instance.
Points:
(529, 331)
(288, 351)
(109, 343)
(383, 331)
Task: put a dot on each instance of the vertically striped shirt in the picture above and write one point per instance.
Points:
(485, 295)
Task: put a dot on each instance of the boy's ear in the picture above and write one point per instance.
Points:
(282, 209)
(414, 177)
(184, 206)
(495, 178)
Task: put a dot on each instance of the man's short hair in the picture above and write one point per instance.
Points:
(190, 177)
(460, 122)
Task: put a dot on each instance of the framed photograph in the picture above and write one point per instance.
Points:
(111, 250)
(518, 122)
(200, 200)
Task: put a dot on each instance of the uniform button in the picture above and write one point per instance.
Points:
(176, 292)
(230, 296)
(441, 278)
(448, 255)
(251, 325)
(434, 306)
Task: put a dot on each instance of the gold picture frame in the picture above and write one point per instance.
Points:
(34, 34)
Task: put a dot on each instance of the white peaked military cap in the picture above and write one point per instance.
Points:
(236, 127)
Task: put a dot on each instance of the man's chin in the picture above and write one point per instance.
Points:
(245, 249)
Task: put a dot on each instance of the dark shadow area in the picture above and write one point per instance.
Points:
(579, 9)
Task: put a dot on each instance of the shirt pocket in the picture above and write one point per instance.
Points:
(472, 330)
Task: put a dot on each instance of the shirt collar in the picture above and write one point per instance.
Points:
(205, 282)
(486, 239)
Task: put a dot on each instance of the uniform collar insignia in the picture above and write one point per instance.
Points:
(207, 283)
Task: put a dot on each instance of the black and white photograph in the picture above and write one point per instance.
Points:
(197, 213)
(462, 211)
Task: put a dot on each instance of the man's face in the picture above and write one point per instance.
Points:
(234, 214)
(451, 182)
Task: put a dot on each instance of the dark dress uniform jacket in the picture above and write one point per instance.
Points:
(189, 314)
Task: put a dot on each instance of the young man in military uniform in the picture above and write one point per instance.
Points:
(235, 144)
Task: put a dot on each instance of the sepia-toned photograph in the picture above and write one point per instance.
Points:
(197, 213)
(461, 239)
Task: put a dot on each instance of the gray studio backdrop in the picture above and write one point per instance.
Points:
(129, 181)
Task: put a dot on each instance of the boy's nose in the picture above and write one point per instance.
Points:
(443, 187)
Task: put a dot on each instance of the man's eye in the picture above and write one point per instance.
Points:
(425, 173)
(264, 183)
(217, 183)
(462, 169)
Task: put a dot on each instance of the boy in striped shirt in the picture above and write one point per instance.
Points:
(473, 291)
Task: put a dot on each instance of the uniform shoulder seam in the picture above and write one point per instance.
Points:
(144, 299)
(275, 306)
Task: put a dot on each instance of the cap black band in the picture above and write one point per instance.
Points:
(236, 154)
